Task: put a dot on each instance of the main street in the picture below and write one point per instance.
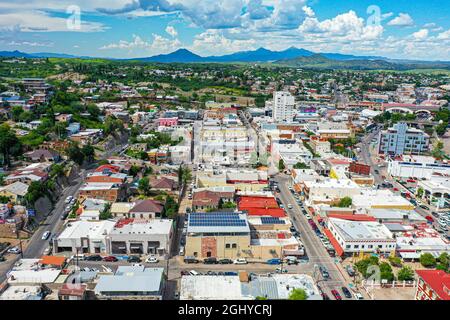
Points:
(317, 254)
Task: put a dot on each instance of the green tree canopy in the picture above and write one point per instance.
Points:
(427, 260)
(298, 294)
(345, 202)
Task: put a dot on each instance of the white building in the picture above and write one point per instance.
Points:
(361, 236)
(283, 107)
(140, 237)
(400, 139)
(417, 167)
(84, 237)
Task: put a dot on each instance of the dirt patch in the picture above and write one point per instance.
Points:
(394, 293)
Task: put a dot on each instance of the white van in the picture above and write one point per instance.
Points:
(79, 256)
(193, 273)
(181, 253)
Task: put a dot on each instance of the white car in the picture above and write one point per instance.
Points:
(240, 261)
(359, 296)
(152, 259)
(68, 199)
(14, 250)
(289, 206)
(46, 235)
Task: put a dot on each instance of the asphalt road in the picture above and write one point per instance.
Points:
(314, 248)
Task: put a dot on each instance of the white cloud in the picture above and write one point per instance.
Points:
(158, 45)
(444, 35)
(402, 20)
(347, 27)
(38, 21)
(213, 42)
(421, 34)
(308, 11)
(172, 31)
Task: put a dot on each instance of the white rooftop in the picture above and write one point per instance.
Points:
(360, 230)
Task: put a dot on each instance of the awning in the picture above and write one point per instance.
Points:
(334, 242)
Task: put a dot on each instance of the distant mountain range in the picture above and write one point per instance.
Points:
(293, 57)
(259, 55)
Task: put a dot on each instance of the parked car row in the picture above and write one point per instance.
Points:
(213, 260)
(130, 259)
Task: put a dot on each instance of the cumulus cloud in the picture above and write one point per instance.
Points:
(344, 27)
(213, 42)
(402, 20)
(171, 30)
(158, 45)
(421, 34)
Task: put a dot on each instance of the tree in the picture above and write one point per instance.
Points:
(88, 152)
(298, 294)
(301, 165)
(405, 274)
(170, 207)
(9, 144)
(75, 153)
(106, 212)
(438, 150)
(386, 272)
(144, 186)
(420, 192)
(184, 175)
(345, 202)
(444, 262)
(427, 260)
(395, 261)
(363, 265)
(281, 165)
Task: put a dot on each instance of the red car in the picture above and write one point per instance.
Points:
(429, 218)
(411, 181)
(110, 259)
(395, 189)
(336, 294)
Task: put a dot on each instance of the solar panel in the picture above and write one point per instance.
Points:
(272, 220)
(217, 219)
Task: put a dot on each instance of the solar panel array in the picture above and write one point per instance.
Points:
(216, 219)
(272, 220)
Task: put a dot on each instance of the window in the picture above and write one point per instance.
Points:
(356, 246)
(234, 245)
(227, 246)
(347, 246)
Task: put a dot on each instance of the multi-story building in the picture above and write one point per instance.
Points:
(283, 107)
(433, 285)
(348, 237)
(400, 139)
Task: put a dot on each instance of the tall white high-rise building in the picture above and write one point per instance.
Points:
(283, 106)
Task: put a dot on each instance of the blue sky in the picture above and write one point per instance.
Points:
(413, 29)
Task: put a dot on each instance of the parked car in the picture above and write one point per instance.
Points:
(134, 259)
(190, 260)
(359, 296)
(194, 273)
(230, 273)
(110, 259)
(290, 260)
(240, 261)
(424, 207)
(274, 261)
(210, 260)
(281, 270)
(152, 259)
(46, 235)
(324, 272)
(184, 273)
(347, 293)
(68, 199)
(336, 294)
(325, 296)
(181, 253)
(225, 261)
(93, 258)
(289, 206)
(350, 271)
(14, 250)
